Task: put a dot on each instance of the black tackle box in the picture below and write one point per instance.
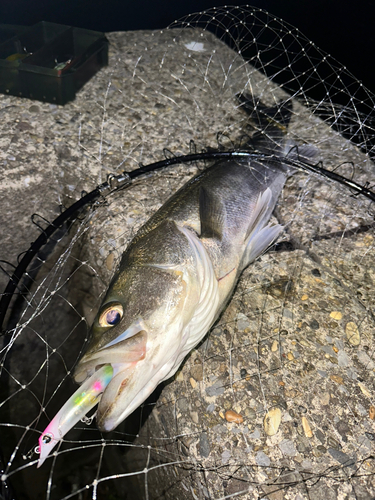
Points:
(49, 62)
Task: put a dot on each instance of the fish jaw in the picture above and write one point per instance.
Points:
(130, 388)
(122, 355)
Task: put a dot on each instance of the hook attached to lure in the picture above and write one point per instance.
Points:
(77, 406)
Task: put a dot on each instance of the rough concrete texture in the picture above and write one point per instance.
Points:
(291, 358)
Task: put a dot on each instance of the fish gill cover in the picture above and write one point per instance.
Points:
(278, 401)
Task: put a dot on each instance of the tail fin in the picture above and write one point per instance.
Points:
(273, 125)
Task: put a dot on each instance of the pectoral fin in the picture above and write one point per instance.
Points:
(259, 238)
(259, 213)
(260, 242)
(212, 214)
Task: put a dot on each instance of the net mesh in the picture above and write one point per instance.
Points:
(294, 349)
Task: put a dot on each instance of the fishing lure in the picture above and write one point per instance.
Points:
(77, 406)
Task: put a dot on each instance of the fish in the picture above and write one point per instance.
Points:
(177, 275)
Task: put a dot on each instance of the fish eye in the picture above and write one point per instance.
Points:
(111, 315)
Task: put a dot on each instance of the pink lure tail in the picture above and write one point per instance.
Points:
(77, 406)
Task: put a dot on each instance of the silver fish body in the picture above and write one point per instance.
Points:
(176, 276)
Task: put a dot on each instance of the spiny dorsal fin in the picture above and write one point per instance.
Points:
(212, 214)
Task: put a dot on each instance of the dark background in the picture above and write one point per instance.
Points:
(345, 29)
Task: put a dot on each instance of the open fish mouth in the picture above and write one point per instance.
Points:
(124, 352)
(109, 368)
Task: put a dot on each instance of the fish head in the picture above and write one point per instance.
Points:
(138, 330)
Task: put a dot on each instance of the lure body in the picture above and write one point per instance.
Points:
(77, 406)
(178, 273)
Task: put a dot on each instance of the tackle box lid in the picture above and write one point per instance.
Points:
(49, 62)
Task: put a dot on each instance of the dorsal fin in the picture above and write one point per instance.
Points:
(212, 214)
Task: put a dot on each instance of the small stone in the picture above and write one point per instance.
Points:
(336, 378)
(197, 372)
(343, 359)
(339, 344)
(179, 376)
(325, 398)
(193, 383)
(371, 412)
(204, 445)
(243, 373)
(227, 405)
(216, 389)
(316, 452)
(250, 414)
(305, 343)
(291, 393)
(352, 374)
(336, 315)
(333, 443)
(319, 434)
(314, 324)
(232, 416)
(364, 389)
(341, 457)
(194, 416)
(242, 322)
(361, 409)
(255, 434)
(301, 447)
(287, 447)
(34, 109)
(308, 465)
(262, 459)
(290, 356)
(275, 346)
(109, 261)
(315, 272)
(272, 421)
(352, 333)
(306, 427)
(304, 297)
(225, 456)
(365, 359)
(287, 314)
